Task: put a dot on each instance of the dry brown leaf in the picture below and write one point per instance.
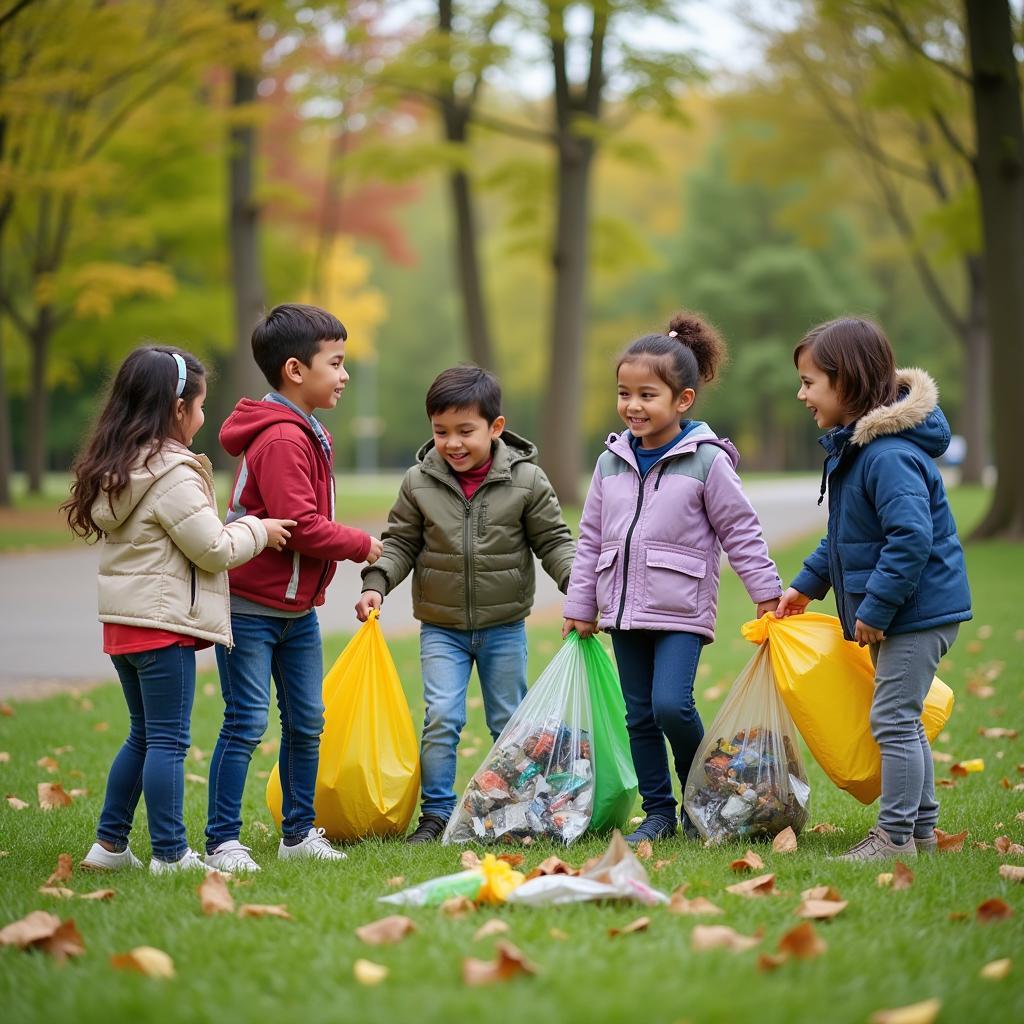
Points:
(996, 970)
(557, 933)
(209, 689)
(820, 910)
(154, 963)
(980, 689)
(489, 928)
(264, 910)
(884, 879)
(958, 915)
(6, 710)
(660, 864)
(98, 894)
(760, 885)
(902, 876)
(697, 907)
(197, 755)
(214, 897)
(917, 1013)
(713, 692)
(396, 882)
(366, 972)
(76, 793)
(457, 906)
(64, 869)
(552, 866)
(16, 803)
(1011, 872)
(101, 727)
(947, 843)
(770, 961)
(386, 931)
(51, 795)
(1007, 847)
(720, 936)
(945, 783)
(994, 909)
(750, 861)
(998, 733)
(961, 768)
(49, 764)
(32, 928)
(636, 820)
(822, 892)
(803, 942)
(825, 827)
(644, 850)
(513, 860)
(469, 860)
(5, 756)
(941, 757)
(641, 924)
(509, 962)
(59, 891)
(199, 780)
(785, 841)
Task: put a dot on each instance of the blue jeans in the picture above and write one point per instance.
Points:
(446, 658)
(290, 650)
(159, 687)
(656, 672)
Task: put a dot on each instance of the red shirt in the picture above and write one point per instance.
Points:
(471, 480)
(118, 639)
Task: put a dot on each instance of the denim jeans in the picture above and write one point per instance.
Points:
(656, 672)
(290, 650)
(446, 658)
(904, 669)
(159, 687)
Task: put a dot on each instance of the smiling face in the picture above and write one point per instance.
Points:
(818, 393)
(463, 437)
(320, 384)
(646, 403)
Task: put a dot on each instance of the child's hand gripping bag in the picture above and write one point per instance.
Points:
(748, 779)
(369, 775)
(614, 777)
(538, 779)
(828, 683)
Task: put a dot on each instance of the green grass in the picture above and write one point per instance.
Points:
(886, 949)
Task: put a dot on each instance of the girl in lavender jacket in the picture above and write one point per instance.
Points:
(664, 501)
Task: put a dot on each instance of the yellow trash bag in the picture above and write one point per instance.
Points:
(828, 683)
(369, 776)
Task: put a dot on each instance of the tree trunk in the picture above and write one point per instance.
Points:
(974, 414)
(6, 449)
(560, 415)
(1000, 160)
(38, 399)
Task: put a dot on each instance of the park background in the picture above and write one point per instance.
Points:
(527, 186)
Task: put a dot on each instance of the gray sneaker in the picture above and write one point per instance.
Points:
(929, 845)
(877, 845)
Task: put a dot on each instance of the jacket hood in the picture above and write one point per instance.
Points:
(518, 449)
(701, 433)
(250, 418)
(915, 415)
(109, 515)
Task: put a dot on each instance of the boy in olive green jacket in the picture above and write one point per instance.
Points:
(468, 520)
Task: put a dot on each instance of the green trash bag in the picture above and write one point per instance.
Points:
(614, 777)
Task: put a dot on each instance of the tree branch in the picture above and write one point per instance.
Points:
(891, 14)
(14, 11)
(595, 77)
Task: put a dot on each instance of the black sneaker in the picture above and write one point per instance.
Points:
(430, 828)
(690, 831)
(654, 826)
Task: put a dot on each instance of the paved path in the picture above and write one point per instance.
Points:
(50, 639)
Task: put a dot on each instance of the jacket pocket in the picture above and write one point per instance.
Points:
(855, 581)
(605, 571)
(673, 578)
(193, 600)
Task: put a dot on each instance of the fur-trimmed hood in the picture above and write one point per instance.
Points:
(915, 414)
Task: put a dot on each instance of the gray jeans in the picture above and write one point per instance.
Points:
(904, 668)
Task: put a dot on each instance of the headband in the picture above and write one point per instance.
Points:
(181, 373)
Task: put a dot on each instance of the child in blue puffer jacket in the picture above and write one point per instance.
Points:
(892, 554)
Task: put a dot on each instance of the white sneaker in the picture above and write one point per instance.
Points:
(99, 859)
(314, 847)
(231, 856)
(189, 861)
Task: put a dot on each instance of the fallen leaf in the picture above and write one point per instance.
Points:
(513, 860)
(917, 1013)
(996, 970)
(1007, 847)
(984, 632)
(996, 733)
(982, 846)
(785, 841)
(981, 690)
(59, 891)
(947, 843)
(214, 897)
(958, 915)
(820, 910)
(644, 850)
(51, 795)
(45, 931)
(1011, 872)
(457, 906)
(509, 962)
(884, 879)
(975, 764)
(198, 755)
(945, 783)
(386, 931)
(902, 876)
(803, 942)
(209, 689)
(770, 961)
(489, 928)
(697, 907)
(720, 936)
(557, 933)
(637, 820)
(264, 910)
(366, 972)
(475, 702)
(750, 861)
(660, 864)
(994, 909)
(552, 866)
(76, 793)
(16, 803)
(98, 894)
(101, 727)
(394, 883)
(941, 757)
(5, 756)
(641, 924)
(85, 704)
(198, 779)
(526, 841)
(6, 710)
(262, 827)
(154, 963)
(713, 692)
(822, 892)
(825, 828)
(469, 860)
(64, 869)
(760, 885)
(49, 764)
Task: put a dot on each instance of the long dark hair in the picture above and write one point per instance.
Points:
(139, 415)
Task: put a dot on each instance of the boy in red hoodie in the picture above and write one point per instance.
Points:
(287, 462)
